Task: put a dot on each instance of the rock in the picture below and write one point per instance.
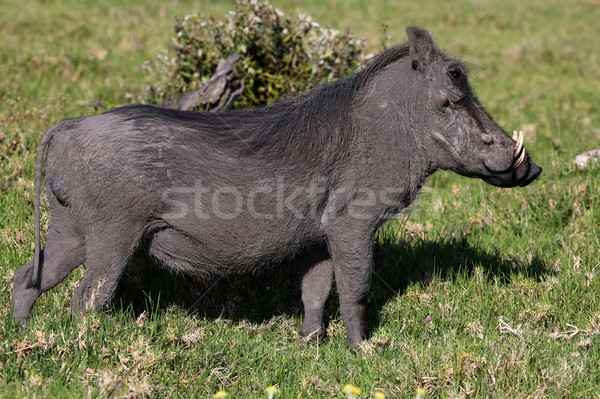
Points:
(582, 160)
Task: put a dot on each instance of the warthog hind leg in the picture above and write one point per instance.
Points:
(317, 276)
(64, 252)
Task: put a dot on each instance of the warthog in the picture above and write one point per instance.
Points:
(312, 177)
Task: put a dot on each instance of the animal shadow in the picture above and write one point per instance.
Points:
(398, 263)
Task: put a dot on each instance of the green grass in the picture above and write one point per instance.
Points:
(509, 278)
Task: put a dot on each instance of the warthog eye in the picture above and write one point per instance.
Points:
(455, 74)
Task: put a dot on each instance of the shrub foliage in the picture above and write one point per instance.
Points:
(279, 55)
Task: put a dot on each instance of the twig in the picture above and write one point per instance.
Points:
(504, 326)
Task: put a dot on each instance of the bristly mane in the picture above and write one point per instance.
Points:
(299, 126)
(311, 120)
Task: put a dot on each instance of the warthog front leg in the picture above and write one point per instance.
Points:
(352, 266)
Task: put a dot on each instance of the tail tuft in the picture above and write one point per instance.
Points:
(35, 275)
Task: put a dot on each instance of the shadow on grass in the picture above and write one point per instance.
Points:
(258, 298)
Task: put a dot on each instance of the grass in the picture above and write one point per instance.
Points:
(508, 278)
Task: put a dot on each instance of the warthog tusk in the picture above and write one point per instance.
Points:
(520, 160)
(519, 151)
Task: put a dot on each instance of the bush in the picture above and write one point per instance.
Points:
(278, 55)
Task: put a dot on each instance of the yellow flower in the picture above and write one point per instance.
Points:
(351, 391)
(379, 395)
(221, 394)
(420, 393)
(271, 391)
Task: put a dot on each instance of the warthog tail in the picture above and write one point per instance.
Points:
(35, 278)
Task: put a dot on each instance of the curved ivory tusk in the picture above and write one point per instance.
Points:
(520, 160)
(519, 140)
(519, 151)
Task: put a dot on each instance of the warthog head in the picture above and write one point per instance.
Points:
(461, 136)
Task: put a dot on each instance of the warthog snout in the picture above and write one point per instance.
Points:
(521, 171)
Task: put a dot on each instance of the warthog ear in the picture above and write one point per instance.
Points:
(421, 47)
